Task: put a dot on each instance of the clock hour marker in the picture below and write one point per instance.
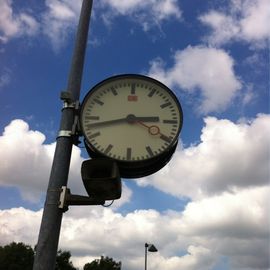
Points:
(128, 153)
(99, 102)
(149, 151)
(114, 91)
(133, 88)
(165, 138)
(170, 121)
(94, 135)
(91, 117)
(108, 149)
(152, 92)
(165, 105)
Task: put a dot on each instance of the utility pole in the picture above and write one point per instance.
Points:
(47, 245)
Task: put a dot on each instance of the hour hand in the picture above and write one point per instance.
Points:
(131, 118)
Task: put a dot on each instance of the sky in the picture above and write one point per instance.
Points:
(208, 208)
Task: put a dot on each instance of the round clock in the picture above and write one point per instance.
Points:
(134, 120)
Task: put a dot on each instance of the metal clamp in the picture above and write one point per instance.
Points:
(64, 133)
(68, 105)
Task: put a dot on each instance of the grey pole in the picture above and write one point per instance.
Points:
(145, 262)
(47, 245)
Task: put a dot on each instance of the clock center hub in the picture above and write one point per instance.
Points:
(131, 118)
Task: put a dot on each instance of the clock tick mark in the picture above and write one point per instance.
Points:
(108, 149)
(94, 135)
(133, 89)
(170, 121)
(165, 138)
(152, 92)
(129, 153)
(114, 91)
(91, 117)
(149, 151)
(99, 102)
(164, 105)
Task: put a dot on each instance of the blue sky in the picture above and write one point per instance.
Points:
(208, 208)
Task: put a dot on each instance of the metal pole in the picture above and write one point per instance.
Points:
(145, 264)
(47, 245)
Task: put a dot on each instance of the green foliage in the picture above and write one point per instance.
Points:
(16, 256)
(63, 261)
(104, 263)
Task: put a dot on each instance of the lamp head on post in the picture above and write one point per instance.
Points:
(151, 247)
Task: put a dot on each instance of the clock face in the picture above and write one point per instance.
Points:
(131, 118)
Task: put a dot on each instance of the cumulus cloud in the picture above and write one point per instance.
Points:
(208, 70)
(26, 163)
(246, 20)
(230, 156)
(226, 175)
(231, 226)
(25, 231)
(146, 13)
(25, 160)
(15, 24)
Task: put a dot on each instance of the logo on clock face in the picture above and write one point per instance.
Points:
(132, 98)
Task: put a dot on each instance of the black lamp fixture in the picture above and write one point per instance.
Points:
(101, 178)
(150, 248)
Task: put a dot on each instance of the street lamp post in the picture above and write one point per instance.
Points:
(150, 248)
(46, 250)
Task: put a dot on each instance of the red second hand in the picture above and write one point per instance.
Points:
(153, 130)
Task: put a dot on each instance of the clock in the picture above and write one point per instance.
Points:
(134, 120)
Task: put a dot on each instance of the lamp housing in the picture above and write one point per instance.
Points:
(101, 178)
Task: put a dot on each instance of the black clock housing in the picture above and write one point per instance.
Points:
(131, 83)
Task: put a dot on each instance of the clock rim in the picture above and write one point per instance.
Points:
(98, 153)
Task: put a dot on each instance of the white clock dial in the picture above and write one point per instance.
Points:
(131, 118)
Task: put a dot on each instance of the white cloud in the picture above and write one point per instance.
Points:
(5, 77)
(234, 226)
(26, 163)
(229, 157)
(59, 19)
(226, 175)
(146, 13)
(25, 160)
(14, 25)
(208, 70)
(13, 229)
(246, 20)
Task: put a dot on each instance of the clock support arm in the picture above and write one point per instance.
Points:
(66, 199)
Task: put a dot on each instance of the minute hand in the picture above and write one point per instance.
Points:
(131, 118)
(120, 120)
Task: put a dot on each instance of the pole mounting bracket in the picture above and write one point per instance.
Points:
(66, 199)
